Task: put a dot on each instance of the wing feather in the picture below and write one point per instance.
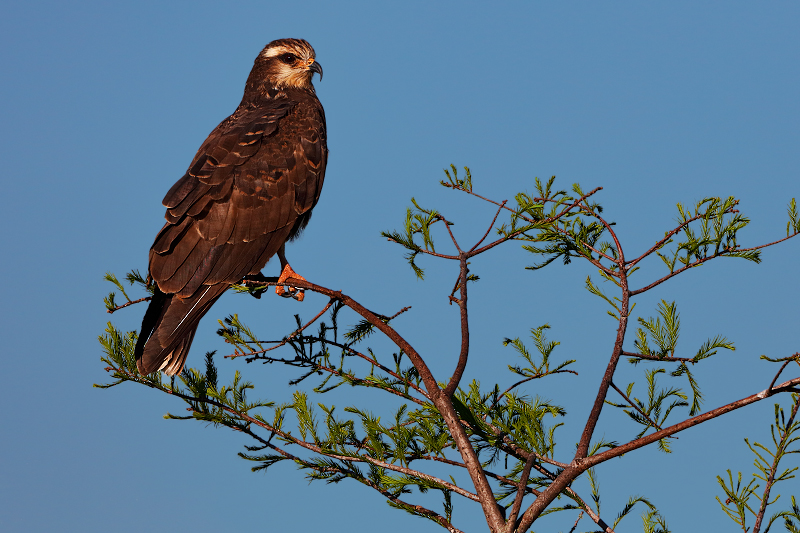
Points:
(169, 235)
(251, 181)
(163, 266)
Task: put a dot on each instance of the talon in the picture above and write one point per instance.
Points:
(289, 291)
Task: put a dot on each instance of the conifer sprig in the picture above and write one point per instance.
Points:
(737, 505)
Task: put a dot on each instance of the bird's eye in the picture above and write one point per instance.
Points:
(288, 58)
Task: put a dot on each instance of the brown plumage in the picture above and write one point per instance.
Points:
(249, 189)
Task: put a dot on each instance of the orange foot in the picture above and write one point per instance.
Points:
(289, 292)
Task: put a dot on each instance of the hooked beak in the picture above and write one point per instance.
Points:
(316, 67)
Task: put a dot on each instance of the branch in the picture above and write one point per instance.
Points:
(774, 467)
(669, 235)
(464, 353)
(577, 467)
(787, 386)
(594, 416)
(698, 262)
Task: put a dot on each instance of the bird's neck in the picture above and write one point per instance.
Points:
(265, 93)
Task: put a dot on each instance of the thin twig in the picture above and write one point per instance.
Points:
(428, 252)
(512, 449)
(682, 269)
(371, 384)
(544, 200)
(634, 406)
(123, 306)
(548, 220)
(781, 370)
(523, 483)
(656, 358)
(356, 353)
(592, 260)
(594, 516)
(621, 260)
(452, 298)
(520, 382)
(292, 336)
(659, 244)
(452, 237)
(766, 245)
(575, 525)
(397, 314)
(499, 209)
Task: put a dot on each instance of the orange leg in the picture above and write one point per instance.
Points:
(286, 273)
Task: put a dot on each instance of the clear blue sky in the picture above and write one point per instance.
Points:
(104, 104)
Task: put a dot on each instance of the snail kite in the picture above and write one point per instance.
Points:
(250, 189)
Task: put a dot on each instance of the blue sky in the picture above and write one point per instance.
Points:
(104, 105)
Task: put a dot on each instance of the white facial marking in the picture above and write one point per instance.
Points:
(278, 50)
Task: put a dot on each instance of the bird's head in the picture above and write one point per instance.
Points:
(287, 63)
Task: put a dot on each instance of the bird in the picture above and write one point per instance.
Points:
(249, 190)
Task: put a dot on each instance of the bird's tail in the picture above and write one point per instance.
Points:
(168, 328)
